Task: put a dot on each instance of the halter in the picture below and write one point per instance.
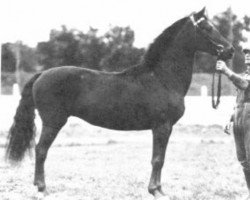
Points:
(196, 23)
(216, 103)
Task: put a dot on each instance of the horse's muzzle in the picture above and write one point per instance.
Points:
(225, 54)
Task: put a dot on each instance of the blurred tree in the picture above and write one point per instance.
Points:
(225, 23)
(19, 63)
(238, 61)
(8, 58)
(17, 56)
(122, 58)
(59, 50)
(92, 49)
(112, 52)
(71, 47)
(118, 37)
(8, 69)
(26, 57)
(26, 63)
(120, 52)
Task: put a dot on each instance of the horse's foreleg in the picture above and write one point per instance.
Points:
(47, 137)
(160, 140)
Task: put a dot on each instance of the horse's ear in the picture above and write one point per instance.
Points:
(201, 13)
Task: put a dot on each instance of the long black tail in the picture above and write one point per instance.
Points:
(22, 132)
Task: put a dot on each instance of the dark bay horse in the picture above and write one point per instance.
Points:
(147, 96)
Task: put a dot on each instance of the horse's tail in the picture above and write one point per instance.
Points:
(22, 132)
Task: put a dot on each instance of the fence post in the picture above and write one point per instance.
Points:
(204, 91)
(15, 90)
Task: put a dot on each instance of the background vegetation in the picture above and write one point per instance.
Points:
(111, 51)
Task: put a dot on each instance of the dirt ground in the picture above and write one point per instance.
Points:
(98, 164)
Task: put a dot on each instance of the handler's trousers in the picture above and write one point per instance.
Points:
(242, 138)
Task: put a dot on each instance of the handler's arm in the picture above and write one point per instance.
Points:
(239, 81)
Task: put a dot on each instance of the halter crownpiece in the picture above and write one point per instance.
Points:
(195, 23)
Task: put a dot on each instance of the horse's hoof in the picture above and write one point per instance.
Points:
(40, 196)
(160, 190)
(160, 195)
(41, 187)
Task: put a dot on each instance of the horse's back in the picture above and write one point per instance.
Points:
(56, 80)
(111, 100)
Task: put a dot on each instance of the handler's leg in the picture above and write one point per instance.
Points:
(246, 127)
(245, 162)
(240, 133)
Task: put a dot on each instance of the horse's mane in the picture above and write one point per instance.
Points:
(162, 43)
(159, 46)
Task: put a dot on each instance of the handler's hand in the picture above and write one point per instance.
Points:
(228, 128)
(221, 66)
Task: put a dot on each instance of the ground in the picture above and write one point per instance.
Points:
(98, 164)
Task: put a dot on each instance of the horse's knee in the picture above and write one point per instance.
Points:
(41, 153)
(157, 163)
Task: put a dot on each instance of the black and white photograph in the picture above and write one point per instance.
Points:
(125, 100)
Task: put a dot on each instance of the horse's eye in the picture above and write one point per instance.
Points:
(209, 28)
(206, 27)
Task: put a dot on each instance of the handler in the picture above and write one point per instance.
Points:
(241, 117)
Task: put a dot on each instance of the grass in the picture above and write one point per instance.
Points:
(98, 164)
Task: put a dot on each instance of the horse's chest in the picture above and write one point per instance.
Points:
(168, 108)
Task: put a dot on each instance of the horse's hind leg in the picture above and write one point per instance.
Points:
(160, 140)
(47, 137)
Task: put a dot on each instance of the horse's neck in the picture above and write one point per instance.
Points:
(176, 67)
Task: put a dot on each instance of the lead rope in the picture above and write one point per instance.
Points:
(216, 103)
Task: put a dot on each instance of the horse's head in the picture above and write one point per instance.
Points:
(207, 37)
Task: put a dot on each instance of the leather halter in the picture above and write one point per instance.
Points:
(215, 103)
(195, 23)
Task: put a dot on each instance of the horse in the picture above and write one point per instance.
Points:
(148, 96)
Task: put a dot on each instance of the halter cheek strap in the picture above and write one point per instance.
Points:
(196, 23)
(214, 103)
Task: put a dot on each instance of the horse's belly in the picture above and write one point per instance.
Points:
(116, 120)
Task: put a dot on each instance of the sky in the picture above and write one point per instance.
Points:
(31, 20)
